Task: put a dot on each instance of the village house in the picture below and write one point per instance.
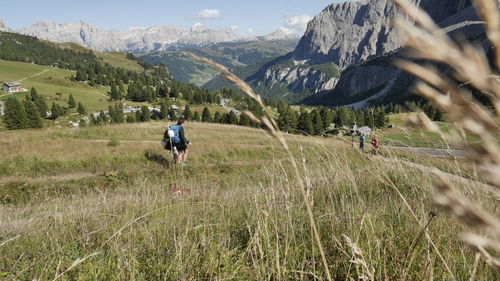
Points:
(12, 87)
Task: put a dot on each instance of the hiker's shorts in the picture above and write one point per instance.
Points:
(180, 146)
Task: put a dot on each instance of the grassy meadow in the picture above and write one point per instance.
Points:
(54, 83)
(94, 204)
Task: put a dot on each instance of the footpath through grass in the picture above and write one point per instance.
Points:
(66, 198)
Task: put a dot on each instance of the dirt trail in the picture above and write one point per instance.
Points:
(437, 171)
(36, 75)
(63, 177)
(434, 152)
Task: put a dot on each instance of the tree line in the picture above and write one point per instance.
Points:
(322, 120)
(33, 110)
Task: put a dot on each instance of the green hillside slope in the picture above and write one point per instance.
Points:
(50, 81)
(231, 55)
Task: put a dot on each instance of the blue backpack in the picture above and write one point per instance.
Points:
(176, 129)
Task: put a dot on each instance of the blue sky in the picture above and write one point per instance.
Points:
(250, 17)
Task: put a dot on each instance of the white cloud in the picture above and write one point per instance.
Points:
(234, 27)
(208, 14)
(297, 23)
(250, 31)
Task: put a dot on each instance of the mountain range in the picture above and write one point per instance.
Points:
(138, 39)
(359, 39)
(344, 57)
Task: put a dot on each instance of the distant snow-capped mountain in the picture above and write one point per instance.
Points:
(280, 34)
(136, 39)
(3, 27)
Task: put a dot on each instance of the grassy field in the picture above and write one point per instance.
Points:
(49, 81)
(404, 136)
(76, 206)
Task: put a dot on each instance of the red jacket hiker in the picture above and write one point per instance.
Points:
(375, 142)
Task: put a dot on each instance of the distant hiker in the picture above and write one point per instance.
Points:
(175, 140)
(375, 145)
(362, 142)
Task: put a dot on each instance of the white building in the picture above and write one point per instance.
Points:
(12, 87)
(365, 131)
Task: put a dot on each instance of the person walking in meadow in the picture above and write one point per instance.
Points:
(375, 145)
(362, 142)
(178, 142)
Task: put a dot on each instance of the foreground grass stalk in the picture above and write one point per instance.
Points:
(273, 129)
(427, 41)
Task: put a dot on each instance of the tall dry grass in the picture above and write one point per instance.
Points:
(295, 208)
(470, 64)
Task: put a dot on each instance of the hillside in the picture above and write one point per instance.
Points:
(232, 55)
(33, 62)
(69, 196)
(52, 80)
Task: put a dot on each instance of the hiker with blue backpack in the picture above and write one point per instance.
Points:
(175, 140)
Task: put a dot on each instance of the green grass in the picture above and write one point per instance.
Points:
(402, 135)
(53, 81)
(115, 59)
(64, 196)
(119, 60)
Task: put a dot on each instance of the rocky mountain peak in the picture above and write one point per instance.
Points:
(3, 27)
(198, 27)
(136, 39)
(349, 32)
(280, 34)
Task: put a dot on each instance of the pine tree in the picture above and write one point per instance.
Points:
(164, 110)
(205, 116)
(34, 119)
(196, 116)
(317, 123)
(115, 93)
(42, 107)
(380, 118)
(138, 116)
(81, 109)
(55, 111)
(71, 102)
(34, 94)
(118, 113)
(15, 114)
(145, 114)
(369, 120)
(188, 115)
(80, 75)
(305, 123)
(244, 120)
(217, 117)
(326, 117)
(231, 118)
